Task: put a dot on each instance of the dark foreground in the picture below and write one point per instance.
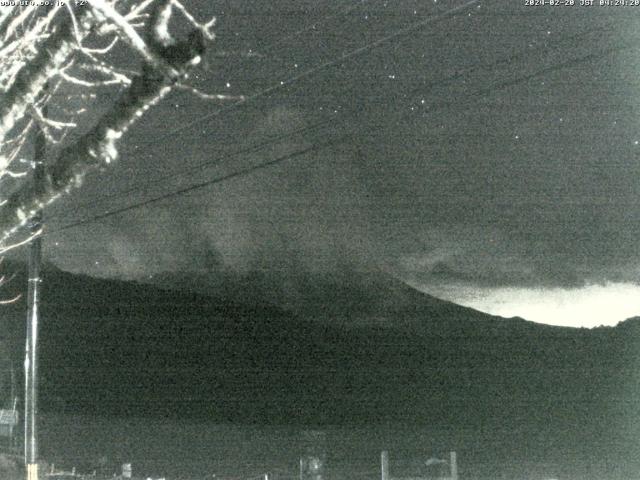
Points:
(198, 450)
(181, 385)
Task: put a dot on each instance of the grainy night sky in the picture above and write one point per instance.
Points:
(491, 157)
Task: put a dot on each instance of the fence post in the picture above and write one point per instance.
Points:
(384, 465)
(453, 462)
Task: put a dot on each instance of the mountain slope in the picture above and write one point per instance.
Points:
(119, 348)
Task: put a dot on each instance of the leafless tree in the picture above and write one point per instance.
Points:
(66, 50)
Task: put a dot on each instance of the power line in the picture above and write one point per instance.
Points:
(557, 44)
(324, 65)
(272, 140)
(442, 81)
(478, 93)
(351, 54)
(260, 51)
(329, 63)
(312, 26)
(198, 186)
(348, 55)
(316, 147)
(319, 67)
(307, 73)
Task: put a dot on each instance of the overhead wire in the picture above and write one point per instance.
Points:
(248, 170)
(317, 68)
(200, 185)
(556, 44)
(312, 26)
(440, 82)
(272, 140)
(307, 73)
(284, 38)
(271, 47)
(316, 147)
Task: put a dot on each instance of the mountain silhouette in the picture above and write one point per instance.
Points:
(358, 348)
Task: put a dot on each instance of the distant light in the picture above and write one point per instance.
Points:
(588, 306)
(228, 85)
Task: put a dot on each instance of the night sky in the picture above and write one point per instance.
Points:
(489, 156)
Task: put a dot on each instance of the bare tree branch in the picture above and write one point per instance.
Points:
(31, 79)
(96, 149)
(5, 17)
(165, 65)
(131, 37)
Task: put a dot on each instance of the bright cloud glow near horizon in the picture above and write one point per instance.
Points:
(589, 306)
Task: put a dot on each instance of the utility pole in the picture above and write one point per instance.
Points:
(33, 314)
